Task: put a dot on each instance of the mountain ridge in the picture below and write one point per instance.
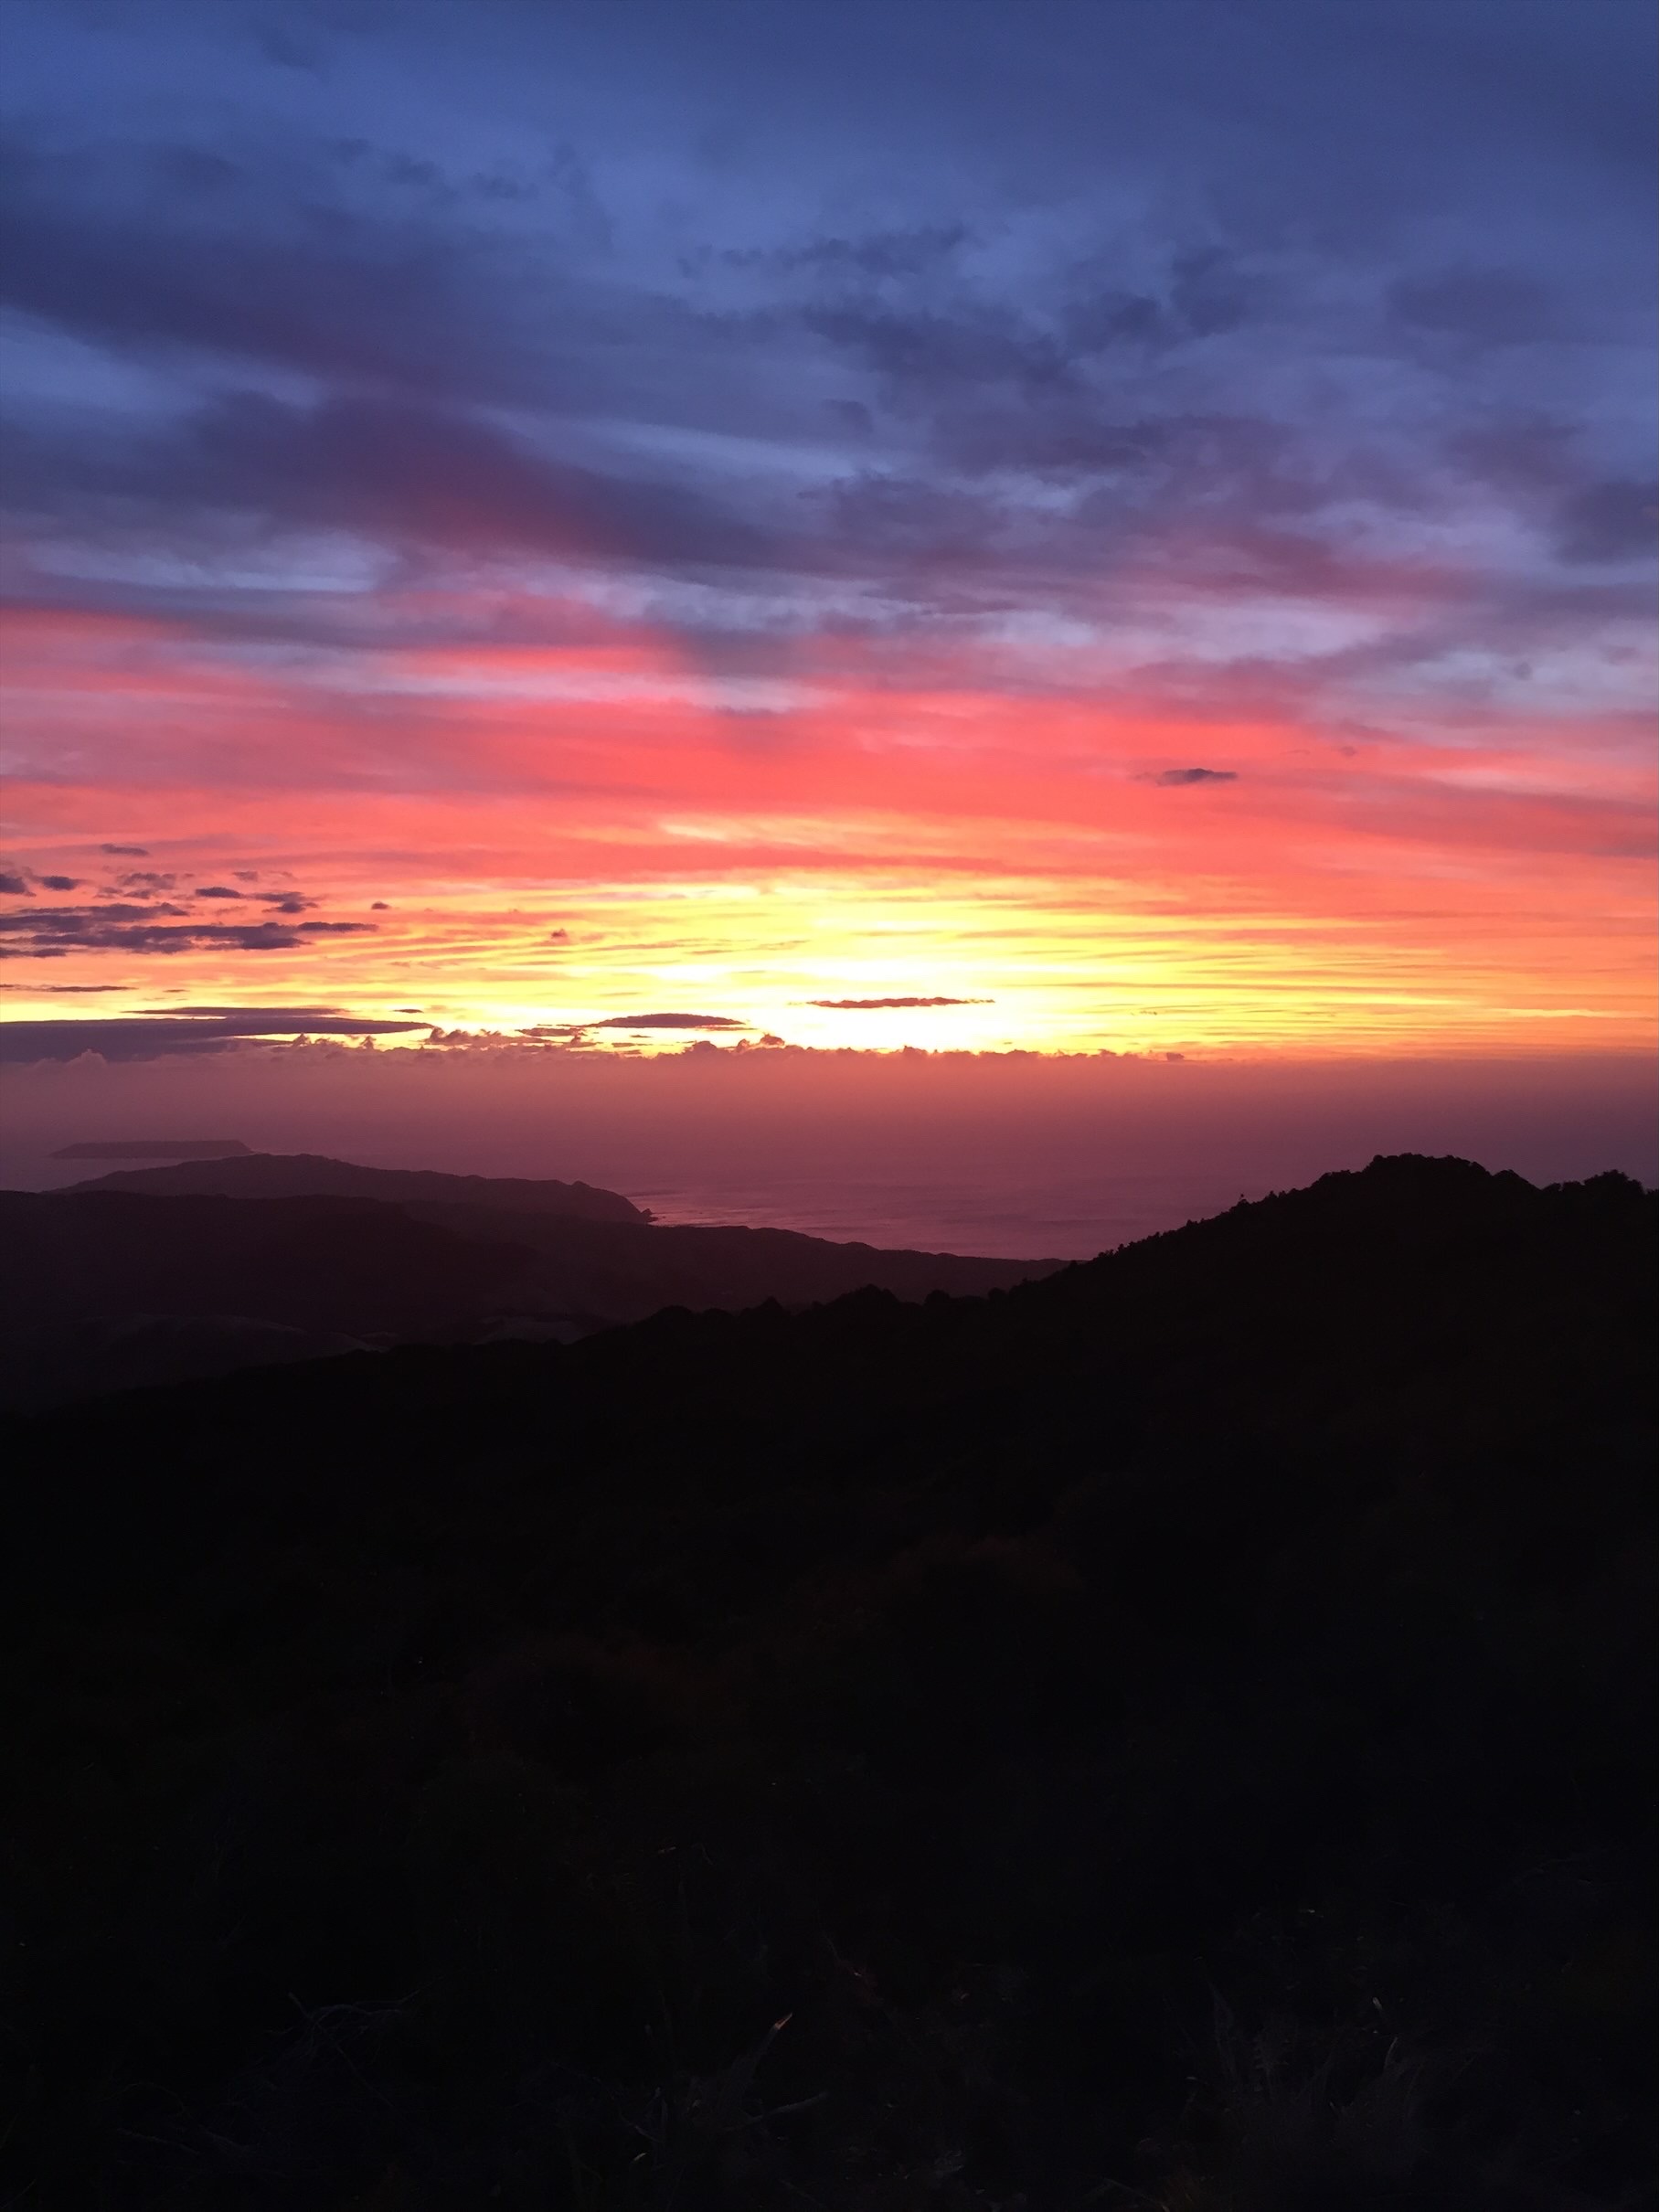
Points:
(1185, 1722)
(262, 1175)
(271, 1262)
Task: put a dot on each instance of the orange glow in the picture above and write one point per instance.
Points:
(978, 831)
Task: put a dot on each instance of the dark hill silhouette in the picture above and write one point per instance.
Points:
(624, 1273)
(106, 1289)
(305, 1174)
(125, 1281)
(1175, 1733)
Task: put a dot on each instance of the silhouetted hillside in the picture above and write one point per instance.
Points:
(625, 1271)
(306, 1175)
(1177, 1733)
(104, 1288)
(109, 1286)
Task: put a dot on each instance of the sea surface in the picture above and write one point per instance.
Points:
(1004, 1216)
(1069, 1219)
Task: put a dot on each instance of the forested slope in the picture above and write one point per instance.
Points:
(1174, 1733)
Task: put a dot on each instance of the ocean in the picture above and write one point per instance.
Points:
(1069, 1217)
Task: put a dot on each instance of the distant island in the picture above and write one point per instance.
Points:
(1174, 1733)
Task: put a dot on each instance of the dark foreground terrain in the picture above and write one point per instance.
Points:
(1173, 1734)
(206, 1267)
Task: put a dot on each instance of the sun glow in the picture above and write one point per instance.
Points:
(510, 838)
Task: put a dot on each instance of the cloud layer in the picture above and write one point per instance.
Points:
(193, 1029)
(1093, 490)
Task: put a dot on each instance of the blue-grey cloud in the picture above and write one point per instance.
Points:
(1071, 328)
(143, 1037)
(1609, 522)
(157, 927)
(1483, 306)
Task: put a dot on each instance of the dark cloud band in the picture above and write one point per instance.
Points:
(150, 1036)
(670, 1021)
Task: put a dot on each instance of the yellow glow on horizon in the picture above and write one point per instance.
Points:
(1040, 966)
(508, 838)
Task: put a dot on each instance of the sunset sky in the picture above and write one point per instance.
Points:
(1089, 525)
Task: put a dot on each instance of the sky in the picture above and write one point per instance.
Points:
(1093, 526)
